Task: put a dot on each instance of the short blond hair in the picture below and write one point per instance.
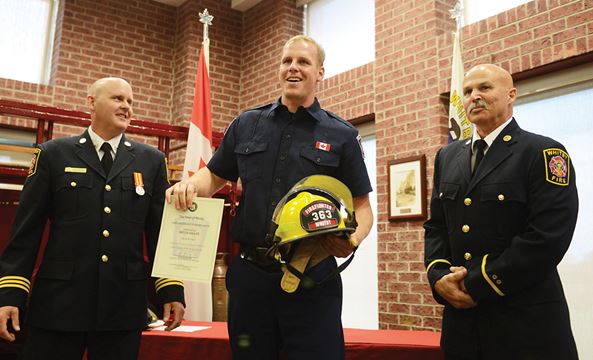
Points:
(310, 40)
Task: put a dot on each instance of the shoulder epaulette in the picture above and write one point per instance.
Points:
(337, 117)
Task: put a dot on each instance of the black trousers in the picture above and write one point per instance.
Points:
(42, 344)
(264, 320)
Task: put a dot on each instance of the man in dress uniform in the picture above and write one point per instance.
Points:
(102, 194)
(271, 148)
(503, 210)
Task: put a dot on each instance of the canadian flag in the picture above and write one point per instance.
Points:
(323, 146)
(199, 139)
(198, 296)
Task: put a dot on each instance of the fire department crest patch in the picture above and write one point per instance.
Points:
(34, 161)
(557, 166)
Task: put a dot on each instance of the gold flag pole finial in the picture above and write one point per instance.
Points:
(457, 14)
(206, 19)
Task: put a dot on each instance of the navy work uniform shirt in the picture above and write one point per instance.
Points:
(271, 149)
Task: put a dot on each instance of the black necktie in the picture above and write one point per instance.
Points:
(479, 146)
(107, 160)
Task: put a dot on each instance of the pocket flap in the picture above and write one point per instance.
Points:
(57, 270)
(448, 191)
(250, 147)
(502, 192)
(321, 157)
(127, 183)
(75, 180)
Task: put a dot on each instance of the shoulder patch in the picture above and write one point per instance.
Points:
(359, 140)
(557, 163)
(34, 161)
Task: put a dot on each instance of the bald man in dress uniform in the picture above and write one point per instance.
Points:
(503, 210)
(102, 195)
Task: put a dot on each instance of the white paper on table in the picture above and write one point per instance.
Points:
(183, 328)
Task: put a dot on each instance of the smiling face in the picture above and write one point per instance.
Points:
(300, 71)
(110, 103)
(488, 96)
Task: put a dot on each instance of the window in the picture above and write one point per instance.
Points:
(360, 307)
(560, 106)
(26, 39)
(345, 29)
(476, 10)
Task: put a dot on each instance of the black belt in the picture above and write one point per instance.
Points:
(258, 256)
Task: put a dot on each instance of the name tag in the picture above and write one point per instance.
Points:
(75, 170)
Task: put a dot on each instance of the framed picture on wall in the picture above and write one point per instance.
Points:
(407, 188)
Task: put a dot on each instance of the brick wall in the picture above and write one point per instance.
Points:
(412, 70)
(266, 27)
(156, 47)
(224, 65)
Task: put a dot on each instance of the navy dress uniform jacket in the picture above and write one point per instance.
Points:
(509, 225)
(93, 276)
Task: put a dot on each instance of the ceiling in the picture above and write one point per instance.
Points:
(241, 5)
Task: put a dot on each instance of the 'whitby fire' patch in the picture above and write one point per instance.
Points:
(557, 166)
(319, 215)
(33, 164)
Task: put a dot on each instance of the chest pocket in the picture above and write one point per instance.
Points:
(448, 193)
(250, 159)
(134, 205)
(505, 204)
(319, 161)
(71, 194)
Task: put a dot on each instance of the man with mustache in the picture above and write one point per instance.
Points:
(103, 196)
(270, 148)
(503, 210)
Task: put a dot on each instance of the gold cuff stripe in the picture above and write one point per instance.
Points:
(436, 262)
(167, 282)
(161, 280)
(18, 286)
(488, 279)
(17, 282)
(20, 278)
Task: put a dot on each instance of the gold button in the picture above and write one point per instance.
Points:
(467, 256)
(105, 233)
(507, 138)
(104, 258)
(467, 201)
(465, 228)
(107, 187)
(494, 277)
(73, 184)
(498, 282)
(107, 210)
(500, 197)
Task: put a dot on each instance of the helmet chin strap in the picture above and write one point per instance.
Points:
(309, 253)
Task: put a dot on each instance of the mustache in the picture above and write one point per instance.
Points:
(478, 103)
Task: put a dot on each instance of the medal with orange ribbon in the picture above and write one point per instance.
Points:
(139, 183)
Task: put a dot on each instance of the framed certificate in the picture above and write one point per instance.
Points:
(188, 241)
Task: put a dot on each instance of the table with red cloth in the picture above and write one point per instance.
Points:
(213, 344)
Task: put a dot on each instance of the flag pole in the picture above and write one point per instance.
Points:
(206, 19)
(459, 126)
(198, 296)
